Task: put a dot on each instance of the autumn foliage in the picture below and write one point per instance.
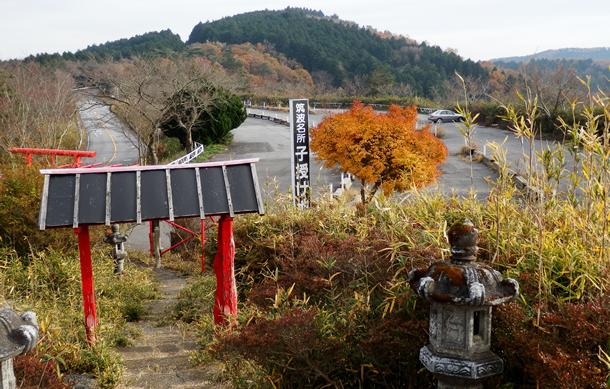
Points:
(262, 68)
(381, 149)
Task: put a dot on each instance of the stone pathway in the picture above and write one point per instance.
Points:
(159, 357)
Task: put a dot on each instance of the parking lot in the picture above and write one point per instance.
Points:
(270, 142)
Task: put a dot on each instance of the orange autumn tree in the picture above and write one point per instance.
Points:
(382, 149)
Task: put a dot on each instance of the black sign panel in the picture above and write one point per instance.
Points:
(123, 199)
(92, 207)
(299, 123)
(141, 193)
(184, 192)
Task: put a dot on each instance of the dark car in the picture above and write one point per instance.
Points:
(444, 115)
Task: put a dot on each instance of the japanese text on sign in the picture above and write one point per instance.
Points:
(299, 113)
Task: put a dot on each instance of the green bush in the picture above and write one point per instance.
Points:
(490, 114)
(102, 362)
(214, 125)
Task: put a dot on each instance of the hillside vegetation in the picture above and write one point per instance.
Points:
(152, 44)
(342, 50)
(335, 52)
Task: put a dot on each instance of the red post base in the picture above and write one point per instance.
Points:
(86, 272)
(225, 307)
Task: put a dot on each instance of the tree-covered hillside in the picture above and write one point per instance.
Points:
(256, 65)
(163, 43)
(297, 52)
(341, 49)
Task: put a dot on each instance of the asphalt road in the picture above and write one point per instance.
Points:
(517, 155)
(270, 142)
(106, 135)
(114, 145)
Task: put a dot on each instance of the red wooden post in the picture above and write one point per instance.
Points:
(86, 272)
(225, 306)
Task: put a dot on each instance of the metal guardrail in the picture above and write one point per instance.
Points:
(199, 148)
(276, 120)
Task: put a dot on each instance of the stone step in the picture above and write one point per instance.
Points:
(185, 379)
(160, 364)
(159, 358)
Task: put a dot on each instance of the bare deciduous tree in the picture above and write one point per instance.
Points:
(454, 90)
(149, 92)
(555, 89)
(37, 107)
(323, 83)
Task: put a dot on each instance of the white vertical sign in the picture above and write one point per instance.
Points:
(299, 124)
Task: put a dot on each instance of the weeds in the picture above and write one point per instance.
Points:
(45, 278)
(336, 277)
(324, 299)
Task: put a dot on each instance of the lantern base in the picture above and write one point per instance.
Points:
(461, 373)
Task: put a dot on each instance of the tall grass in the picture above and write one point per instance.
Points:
(48, 282)
(567, 207)
(324, 297)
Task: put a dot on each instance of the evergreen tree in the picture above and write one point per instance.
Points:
(213, 125)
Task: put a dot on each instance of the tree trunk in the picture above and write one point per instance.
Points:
(363, 191)
(157, 243)
(189, 141)
(152, 151)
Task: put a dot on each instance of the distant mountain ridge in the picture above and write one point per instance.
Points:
(595, 53)
(360, 58)
(586, 63)
(342, 50)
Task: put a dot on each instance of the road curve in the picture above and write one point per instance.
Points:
(106, 135)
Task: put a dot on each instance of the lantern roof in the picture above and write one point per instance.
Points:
(461, 280)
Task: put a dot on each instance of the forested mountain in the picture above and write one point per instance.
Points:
(163, 43)
(294, 45)
(584, 62)
(342, 50)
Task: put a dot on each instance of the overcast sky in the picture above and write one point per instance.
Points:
(477, 29)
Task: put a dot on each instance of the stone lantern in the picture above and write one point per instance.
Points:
(461, 293)
(119, 254)
(18, 335)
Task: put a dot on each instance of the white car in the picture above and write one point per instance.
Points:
(444, 115)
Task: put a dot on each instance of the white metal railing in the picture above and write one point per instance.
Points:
(190, 156)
